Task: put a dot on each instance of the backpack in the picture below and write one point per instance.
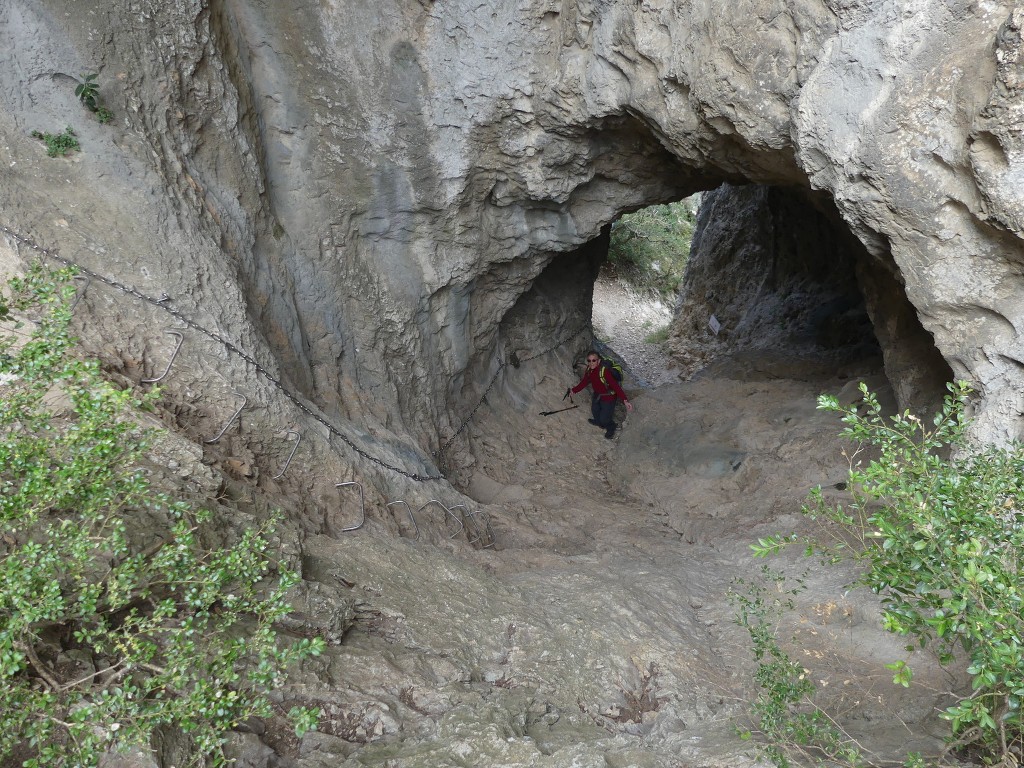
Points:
(609, 365)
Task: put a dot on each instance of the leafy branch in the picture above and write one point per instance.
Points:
(109, 631)
(938, 526)
(88, 93)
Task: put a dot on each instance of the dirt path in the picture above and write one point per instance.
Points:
(641, 539)
(600, 630)
(624, 319)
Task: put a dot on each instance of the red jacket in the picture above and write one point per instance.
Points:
(593, 378)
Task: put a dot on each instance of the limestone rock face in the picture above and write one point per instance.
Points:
(359, 219)
(772, 269)
(364, 192)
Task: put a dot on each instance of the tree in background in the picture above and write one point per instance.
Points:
(650, 248)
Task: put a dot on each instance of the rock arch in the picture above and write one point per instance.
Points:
(878, 113)
(380, 185)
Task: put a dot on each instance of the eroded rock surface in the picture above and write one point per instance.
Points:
(362, 194)
(380, 223)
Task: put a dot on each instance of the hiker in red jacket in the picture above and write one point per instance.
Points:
(604, 390)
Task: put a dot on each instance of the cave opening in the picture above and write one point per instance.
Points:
(637, 287)
(771, 271)
(775, 281)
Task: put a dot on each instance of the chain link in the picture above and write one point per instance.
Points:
(440, 452)
(555, 346)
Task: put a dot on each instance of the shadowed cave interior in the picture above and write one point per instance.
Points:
(778, 272)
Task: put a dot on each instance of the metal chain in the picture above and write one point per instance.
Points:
(555, 346)
(440, 451)
(494, 378)
(162, 304)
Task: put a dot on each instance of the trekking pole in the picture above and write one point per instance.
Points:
(568, 393)
(548, 413)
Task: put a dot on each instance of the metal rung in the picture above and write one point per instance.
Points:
(448, 511)
(362, 505)
(411, 515)
(174, 354)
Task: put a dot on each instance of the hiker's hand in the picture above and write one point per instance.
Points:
(629, 406)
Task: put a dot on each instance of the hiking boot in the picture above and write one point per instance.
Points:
(594, 422)
(611, 432)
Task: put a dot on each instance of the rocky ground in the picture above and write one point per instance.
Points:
(624, 319)
(600, 630)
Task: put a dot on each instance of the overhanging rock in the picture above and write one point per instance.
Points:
(362, 193)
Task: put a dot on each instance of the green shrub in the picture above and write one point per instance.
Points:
(58, 143)
(650, 248)
(789, 722)
(939, 526)
(88, 93)
(659, 336)
(109, 632)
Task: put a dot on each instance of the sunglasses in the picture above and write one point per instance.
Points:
(591, 359)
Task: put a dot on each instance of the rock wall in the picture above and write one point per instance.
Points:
(773, 268)
(369, 219)
(360, 195)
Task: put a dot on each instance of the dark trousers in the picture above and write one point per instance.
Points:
(603, 411)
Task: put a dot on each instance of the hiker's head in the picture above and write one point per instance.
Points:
(593, 359)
